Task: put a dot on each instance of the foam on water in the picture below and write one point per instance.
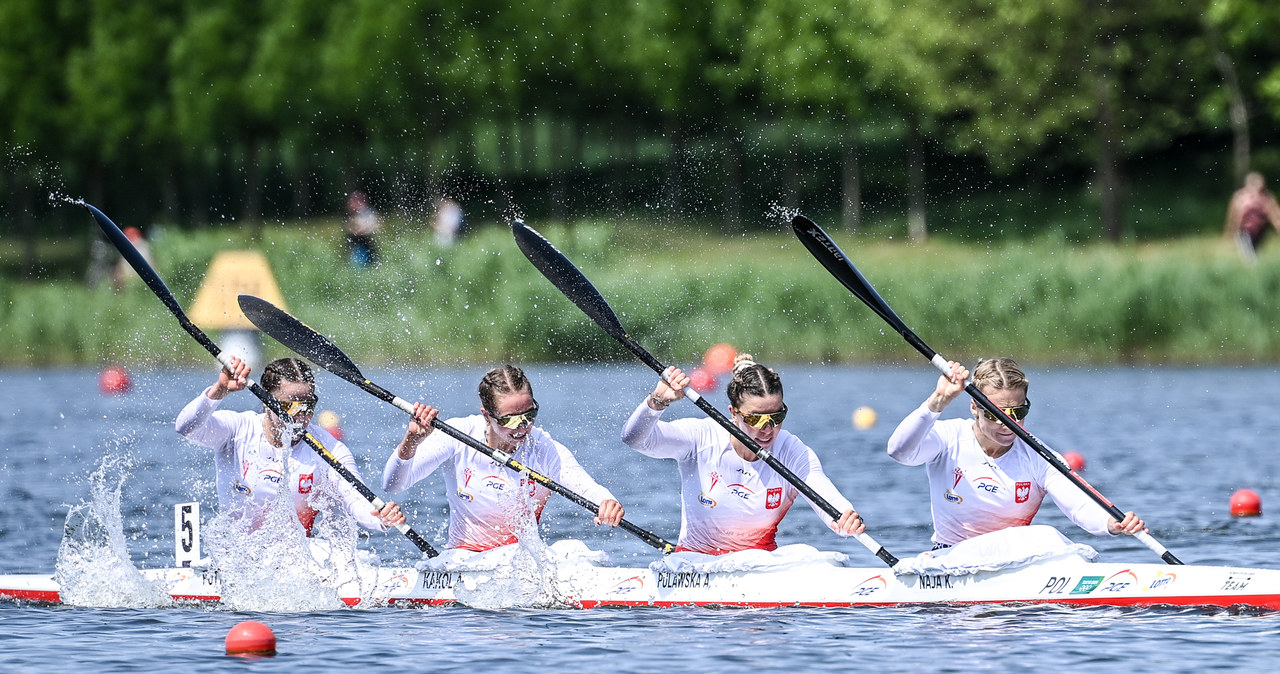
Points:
(93, 567)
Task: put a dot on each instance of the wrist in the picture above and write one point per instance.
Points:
(657, 403)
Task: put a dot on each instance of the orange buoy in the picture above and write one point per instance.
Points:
(328, 420)
(702, 381)
(114, 380)
(1075, 461)
(719, 358)
(1246, 503)
(251, 638)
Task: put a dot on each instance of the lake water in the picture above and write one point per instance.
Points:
(1172, 444)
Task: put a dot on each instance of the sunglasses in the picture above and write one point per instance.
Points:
(298, 407)
(759, 421)
(514, 421)
(1016, 413)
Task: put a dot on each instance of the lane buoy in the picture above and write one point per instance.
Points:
(1075, 461)
(251, 638)
(328, 420)
(719, 358)
(702, 381)
(1246, 503)
(863, 418)
(114, 381)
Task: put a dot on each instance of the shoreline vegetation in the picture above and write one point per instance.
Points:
(678, 290)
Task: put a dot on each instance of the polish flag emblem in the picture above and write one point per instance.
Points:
(1022, 492)
(305, 482)
(773, 498)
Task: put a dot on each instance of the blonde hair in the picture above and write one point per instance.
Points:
(999, 374)
(751, 378)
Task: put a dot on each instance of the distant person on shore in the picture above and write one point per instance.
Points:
(448, 222)
(123, 270)
(1252, 208)
(361, 226)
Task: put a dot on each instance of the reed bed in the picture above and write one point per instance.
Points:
(679, 290)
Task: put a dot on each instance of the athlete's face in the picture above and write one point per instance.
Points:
(298, 399)
(747, 411)
(991, 429)
(511, 409)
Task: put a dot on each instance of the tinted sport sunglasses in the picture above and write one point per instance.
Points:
(759, 421)
(514, 421)
(297, 407)
(1016, 413)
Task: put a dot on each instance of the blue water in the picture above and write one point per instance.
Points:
(1172, 444)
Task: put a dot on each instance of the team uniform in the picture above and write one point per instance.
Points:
(728, 503)
(251, 471)
(482, 513)
(971, 493)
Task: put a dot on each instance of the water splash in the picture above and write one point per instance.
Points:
(263, 560)
(93, 567)
(528, 577)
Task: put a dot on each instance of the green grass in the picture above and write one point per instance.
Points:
(679, 289)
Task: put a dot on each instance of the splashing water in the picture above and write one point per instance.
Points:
(264, 563)
(93, 567)
(528, 577)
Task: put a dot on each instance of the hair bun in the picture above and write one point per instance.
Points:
(743, 361)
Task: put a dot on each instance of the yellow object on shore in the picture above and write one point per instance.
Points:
(231, 273)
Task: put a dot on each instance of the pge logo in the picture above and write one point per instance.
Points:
(870, 586)
(632, 584)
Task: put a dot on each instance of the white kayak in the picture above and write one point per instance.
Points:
(796, 575)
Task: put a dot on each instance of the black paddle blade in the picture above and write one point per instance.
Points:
(568, 278)
(135, 259)
(299, 337)
(829, 254)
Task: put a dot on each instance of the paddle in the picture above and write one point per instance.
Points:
(570, 280)
(836, 262)
(320, 350)
(153, 281)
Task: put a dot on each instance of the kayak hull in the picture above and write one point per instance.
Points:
(1072, 581)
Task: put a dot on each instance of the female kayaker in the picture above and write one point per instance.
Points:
(484, 510)
(250, 448)
(982, 477)
(730, 499)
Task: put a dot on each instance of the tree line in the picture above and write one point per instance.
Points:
(187, 112)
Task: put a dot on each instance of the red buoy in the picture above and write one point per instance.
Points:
(251, 638)
(1246, 503)
(702, 381)
(1075, 461)
(114, 380)
(719, 358)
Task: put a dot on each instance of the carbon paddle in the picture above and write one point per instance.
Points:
(570, 280)
(153, 281)
(830, 256)
(320, 350)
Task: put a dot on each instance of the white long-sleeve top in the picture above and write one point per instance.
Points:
(726, 502)
(971, 493)
(251, 471)
(482, 514)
